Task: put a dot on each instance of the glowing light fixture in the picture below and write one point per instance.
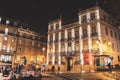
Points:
(109, 43)
(0, 19)
(7, 22)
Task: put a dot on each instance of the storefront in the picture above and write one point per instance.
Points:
(101, 61)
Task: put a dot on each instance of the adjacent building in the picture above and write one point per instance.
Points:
(17, 42)
(84, 45)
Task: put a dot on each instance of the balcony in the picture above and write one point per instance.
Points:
(94, 34)
(56, 41)
(7, 52)
(62, 40)
(77, 51)
(69, 39)
(84, 36)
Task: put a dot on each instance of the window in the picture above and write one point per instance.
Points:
(57, 26)
(56, 49)
(63, 48)
(115, 35)
(51, 38)
(33, 43)
(77, 46)
(51, 27)
(38, 44)
(6, 31)
(69, 35)
(5, 38)
(84, 19)
(20, 41)
(93, 30)
(4, 48)
(14, 31)
(12, 49)
(106, 31)
(62, 35)
(77, 34)
(69, 47)
(104, 17)
(92, 15)
(27, 42)
(85, 32)
(33, 37)
(113, 47)
(33, 50)
(56, 37)
(26, 50)
(13, 40)
(111, 33)
(19, 49)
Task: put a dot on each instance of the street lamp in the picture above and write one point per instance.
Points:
(43, 49)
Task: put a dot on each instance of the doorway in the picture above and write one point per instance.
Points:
(70, 64)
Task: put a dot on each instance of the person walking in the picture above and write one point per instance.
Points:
(109, 64)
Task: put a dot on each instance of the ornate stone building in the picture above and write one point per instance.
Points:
(84, 45)
(17, 42)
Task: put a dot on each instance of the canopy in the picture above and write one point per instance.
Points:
(5, 64)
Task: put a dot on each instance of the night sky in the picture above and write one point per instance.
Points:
(37, 13)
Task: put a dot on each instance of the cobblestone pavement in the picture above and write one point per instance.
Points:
(89, 76)
(51, 77)
(83, 76)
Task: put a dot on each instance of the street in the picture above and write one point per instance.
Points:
(78, 76)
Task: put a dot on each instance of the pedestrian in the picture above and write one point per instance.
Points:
(58, 69)
(109, 64)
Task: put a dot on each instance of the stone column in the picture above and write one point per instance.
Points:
(81, 45)
(99, 37)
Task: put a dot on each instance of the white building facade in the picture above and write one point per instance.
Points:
(84, 45)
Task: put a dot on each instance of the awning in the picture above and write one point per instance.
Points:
(101, 55)
(5, 64)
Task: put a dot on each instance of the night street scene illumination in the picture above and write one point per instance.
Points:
(60, 40)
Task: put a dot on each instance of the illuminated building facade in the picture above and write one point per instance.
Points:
(17, 42)
(83, 45)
